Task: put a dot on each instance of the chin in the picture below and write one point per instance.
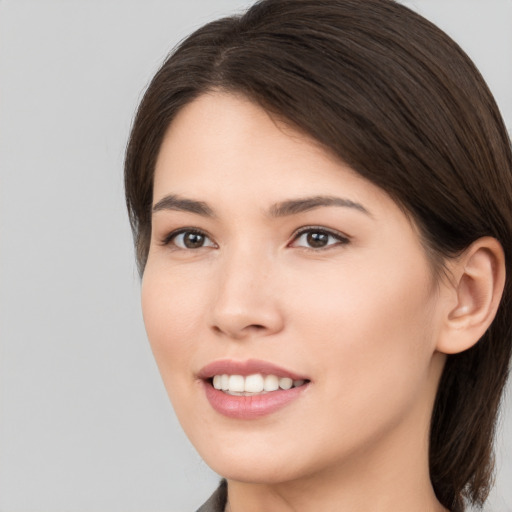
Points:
(247, 471)
(264, 461)
(251, 465)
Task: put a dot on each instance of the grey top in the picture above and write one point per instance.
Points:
(217, 501)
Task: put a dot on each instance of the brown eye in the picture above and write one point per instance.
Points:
(314, 238)
(191, 240)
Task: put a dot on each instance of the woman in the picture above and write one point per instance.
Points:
(320, 195)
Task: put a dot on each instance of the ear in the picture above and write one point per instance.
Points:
(474, 292)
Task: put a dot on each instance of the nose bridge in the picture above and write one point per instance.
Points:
(245, 299)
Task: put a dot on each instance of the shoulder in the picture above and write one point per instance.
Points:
(217, 501)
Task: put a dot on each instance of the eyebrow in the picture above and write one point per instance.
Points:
(295, 206)
(174, 202)
(283, 209)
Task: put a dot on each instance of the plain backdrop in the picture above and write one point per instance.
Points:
(85, 423)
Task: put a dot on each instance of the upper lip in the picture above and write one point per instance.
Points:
(244, 368)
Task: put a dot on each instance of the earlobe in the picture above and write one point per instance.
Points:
(476, 290)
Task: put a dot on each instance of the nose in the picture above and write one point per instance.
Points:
(246, 300)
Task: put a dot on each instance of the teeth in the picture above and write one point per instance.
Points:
(271, 383)
(236, 383)
(253, 384)
(285, 383)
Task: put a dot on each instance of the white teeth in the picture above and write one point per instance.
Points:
(236, 383)
(253, 384)
(271, 383)
(285, 383)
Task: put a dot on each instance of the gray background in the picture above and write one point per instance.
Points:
(85, 424)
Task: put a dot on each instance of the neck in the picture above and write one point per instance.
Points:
(364, 486)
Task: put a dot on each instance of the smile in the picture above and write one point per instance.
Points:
(253, 384)
(250, 389)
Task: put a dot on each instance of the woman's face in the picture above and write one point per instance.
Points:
(273, 262)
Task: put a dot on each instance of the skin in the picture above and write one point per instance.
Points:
(361, 317)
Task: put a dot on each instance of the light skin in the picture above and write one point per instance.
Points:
(339, 289)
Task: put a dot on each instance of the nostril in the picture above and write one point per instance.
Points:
(246, 329)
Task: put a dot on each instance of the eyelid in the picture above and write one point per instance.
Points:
(341, 237)
(167, 239)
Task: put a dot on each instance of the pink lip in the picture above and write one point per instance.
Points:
(254, 406)
(245, 368)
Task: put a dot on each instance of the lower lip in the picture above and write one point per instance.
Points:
(250, 407)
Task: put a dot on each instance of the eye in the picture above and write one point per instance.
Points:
(189, 239)
(318, 238)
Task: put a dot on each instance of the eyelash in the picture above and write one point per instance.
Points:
(341, 239)
(174, 234)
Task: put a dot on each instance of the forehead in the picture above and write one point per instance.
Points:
(220, 135)
(221, 141)
(232, 133)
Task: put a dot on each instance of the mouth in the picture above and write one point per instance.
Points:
(255, 384)
(250, 389)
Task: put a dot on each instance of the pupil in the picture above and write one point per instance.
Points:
(193, 240)
(317, 239)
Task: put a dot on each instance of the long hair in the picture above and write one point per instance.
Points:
(396, 99)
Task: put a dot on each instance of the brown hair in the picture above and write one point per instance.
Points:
(396, 99)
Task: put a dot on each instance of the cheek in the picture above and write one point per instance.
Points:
(370, 327)
(361, 297)
(367, 338)
(171, 309)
